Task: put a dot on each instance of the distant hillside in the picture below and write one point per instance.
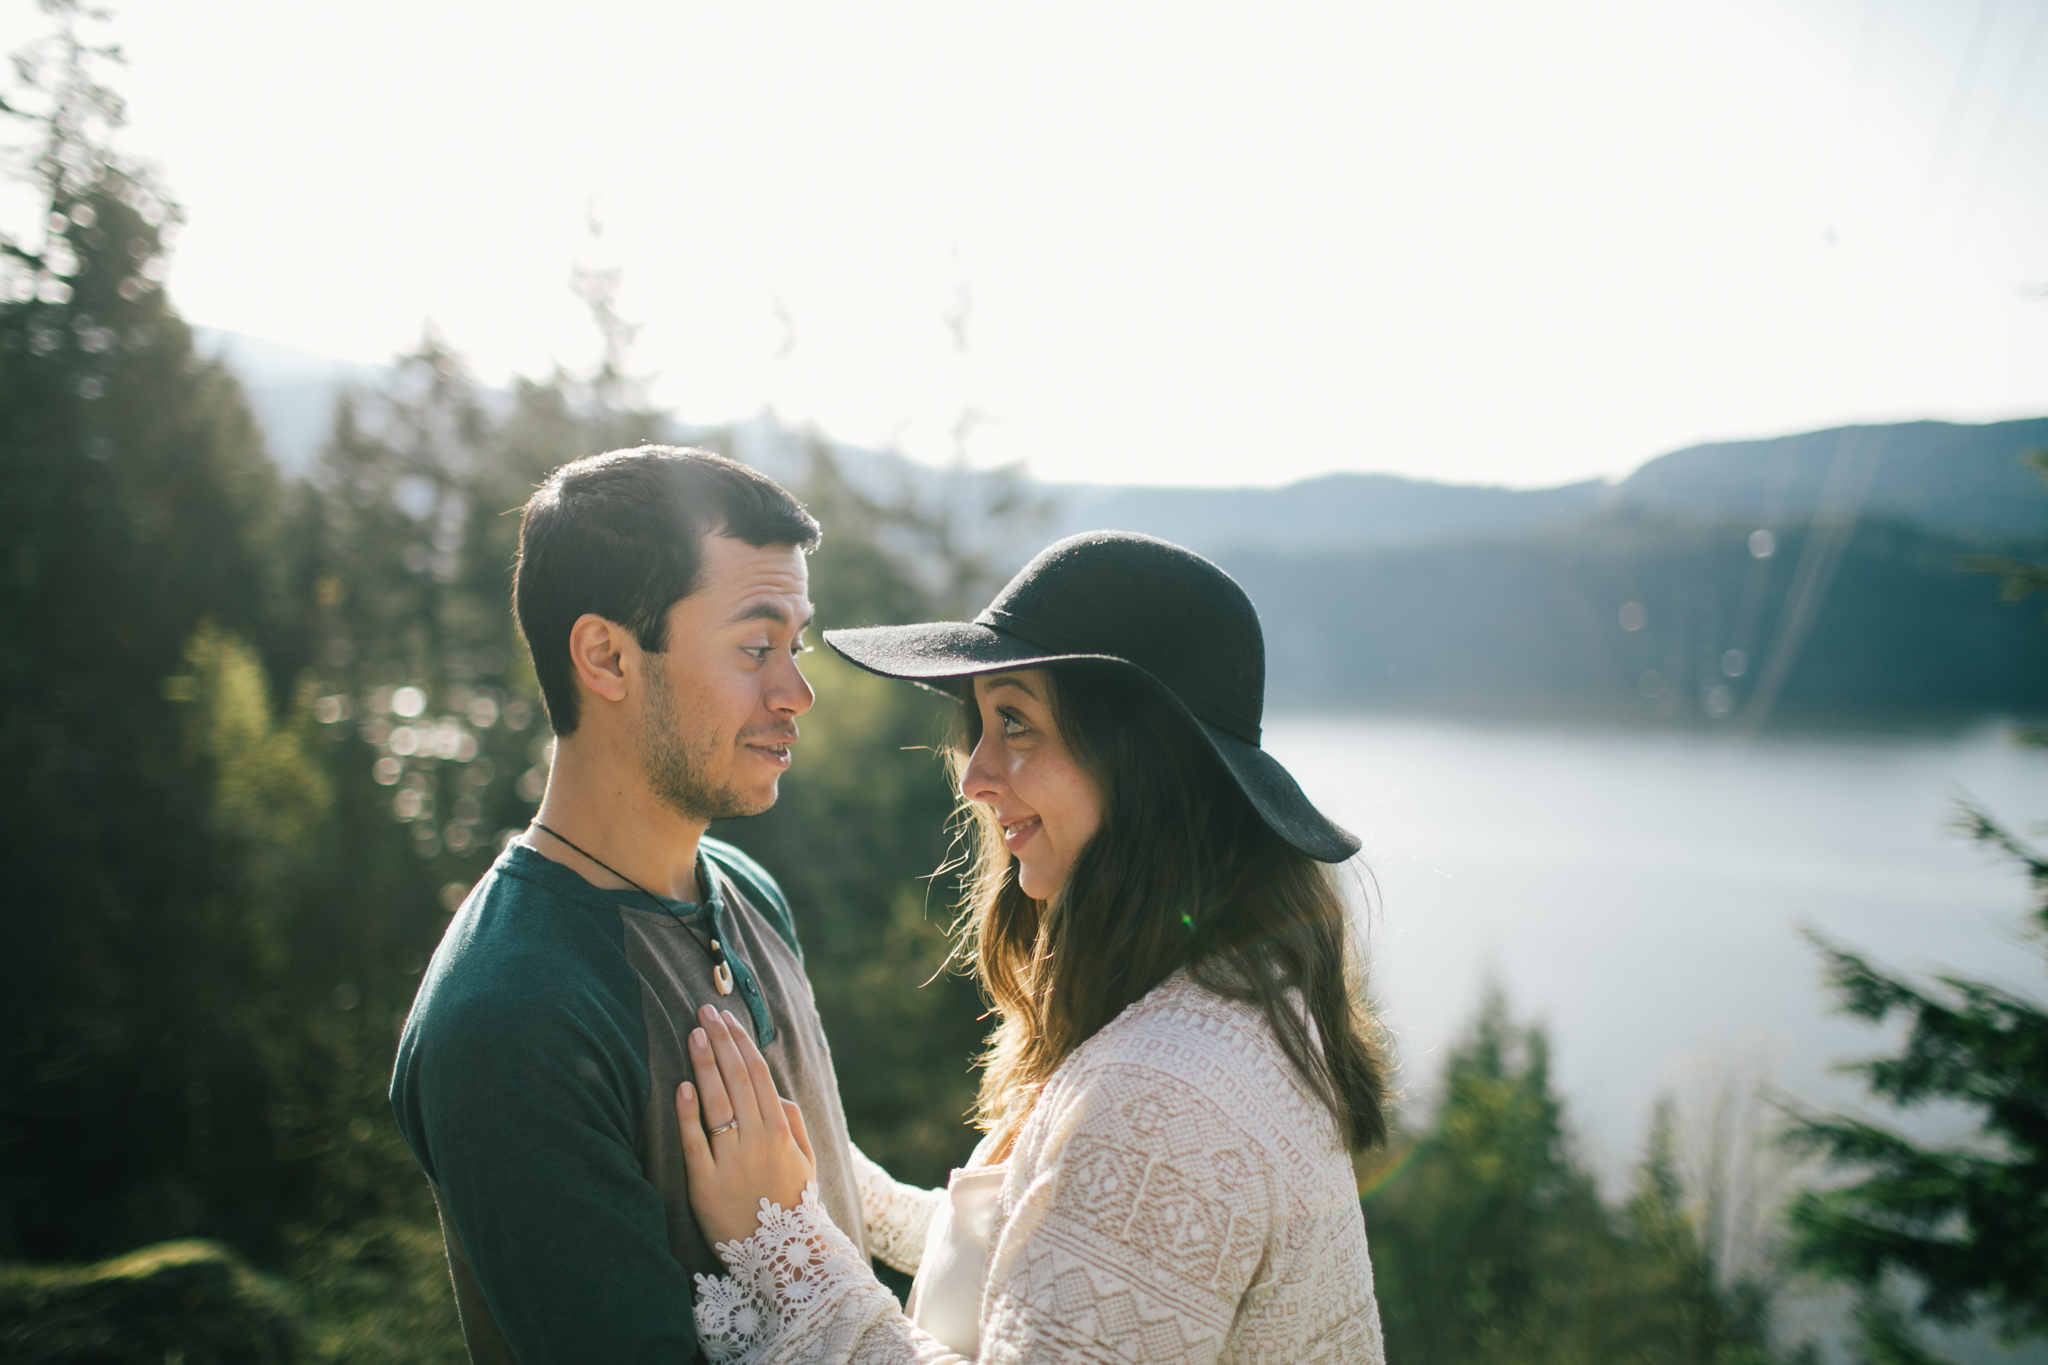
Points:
(291, 391)
(1536, 623)
(1334, 512)
(1954, 479)
(1967, 480)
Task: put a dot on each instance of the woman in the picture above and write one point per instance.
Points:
(1182, 1059)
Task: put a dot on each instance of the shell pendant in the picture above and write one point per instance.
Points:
(721, 977)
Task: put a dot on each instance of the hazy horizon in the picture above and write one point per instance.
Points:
(1484, 245)
(289, 364)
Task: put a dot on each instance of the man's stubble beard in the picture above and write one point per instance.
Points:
(676, 769)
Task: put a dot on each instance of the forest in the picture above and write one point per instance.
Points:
(263, 732)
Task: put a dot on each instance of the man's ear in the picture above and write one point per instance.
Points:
(596, 649)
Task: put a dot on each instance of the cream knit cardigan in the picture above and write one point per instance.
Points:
(1175, 1196)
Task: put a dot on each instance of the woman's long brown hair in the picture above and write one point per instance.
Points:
(1181, 873)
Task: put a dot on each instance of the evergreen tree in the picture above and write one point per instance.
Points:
(1967, 1225)
(1484, 1246)
(1490, 1240)
(1678, 1304)
(138, 964)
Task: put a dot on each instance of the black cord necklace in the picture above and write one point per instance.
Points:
(721, 969)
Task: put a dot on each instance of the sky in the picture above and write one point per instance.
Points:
(1162, 243)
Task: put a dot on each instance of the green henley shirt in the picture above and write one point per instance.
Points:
(535, 1084)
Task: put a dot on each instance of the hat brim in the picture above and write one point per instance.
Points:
(937, 653)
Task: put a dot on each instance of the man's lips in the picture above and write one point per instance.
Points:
(775, 750)
(1018, 832)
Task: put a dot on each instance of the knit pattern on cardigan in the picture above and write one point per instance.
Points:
(1176, 1195)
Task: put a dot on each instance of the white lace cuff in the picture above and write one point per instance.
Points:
(793, 1266)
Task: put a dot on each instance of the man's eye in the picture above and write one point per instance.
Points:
(759, 653)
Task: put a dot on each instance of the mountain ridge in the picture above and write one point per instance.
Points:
(1959, 479)
(1649, 595)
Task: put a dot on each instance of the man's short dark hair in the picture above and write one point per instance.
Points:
(621, 535)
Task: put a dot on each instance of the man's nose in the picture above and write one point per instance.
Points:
(792, 694)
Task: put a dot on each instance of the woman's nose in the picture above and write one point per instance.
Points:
(982, 781)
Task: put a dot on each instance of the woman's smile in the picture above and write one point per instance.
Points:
(1018, 832)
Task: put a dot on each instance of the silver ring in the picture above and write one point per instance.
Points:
(722, 1128)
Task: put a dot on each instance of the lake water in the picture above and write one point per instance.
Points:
(1642, 894)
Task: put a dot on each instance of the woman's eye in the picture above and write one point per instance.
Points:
(758, 653)
(1012, 727)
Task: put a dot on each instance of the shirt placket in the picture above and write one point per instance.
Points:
(745, 984)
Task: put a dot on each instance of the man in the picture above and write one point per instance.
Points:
(664, 597)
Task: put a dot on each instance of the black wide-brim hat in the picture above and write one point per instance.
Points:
(1150, 605)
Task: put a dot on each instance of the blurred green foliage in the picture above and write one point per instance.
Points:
(136, 503)
(1965, 1226)
(145, 1307)
(1491, 1242)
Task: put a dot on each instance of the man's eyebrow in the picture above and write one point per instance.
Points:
(767, 611)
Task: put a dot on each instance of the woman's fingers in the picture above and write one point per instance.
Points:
(765, 1094)
(732, 1067)
(767, 1156)
(696, 1148)
(795, 1115)
(716, 1104)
